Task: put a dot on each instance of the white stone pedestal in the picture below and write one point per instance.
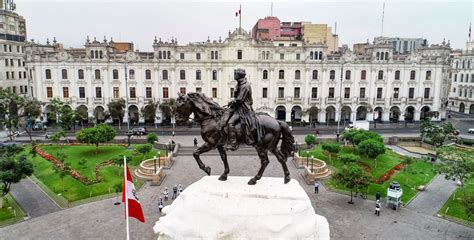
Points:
(213, 209)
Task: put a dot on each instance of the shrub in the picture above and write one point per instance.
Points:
(365, 135)
(348, 158)
(331, 147)
(310, 139)
(151, 138)
(371, 148)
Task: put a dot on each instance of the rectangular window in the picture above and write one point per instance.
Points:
(379, 93)
(362, 92)
(8, 75)
(165, 92)
(298, 56)
(411, 93)
(296, 93)
(116, 92)
(182, 90)
(82, 92)
(19, 62)
(6, 62)
(231, 92)
(282, 56)
(427, 93)
(182, 75)
(281, 92)
(98, 92)
(314, 92)
(264, 93)
(214, 92)
(133, 93)
(181, 56)
(199, 90)
(11, 63)
(198, 74)
(472, 77)
(49, 92)
(396, 93)
(65, 92)
(455, 77)
(198, 56)
(397, 75)
(347, 92)
(148, 92)
(239, 54)
(14, 89)
(331, 92)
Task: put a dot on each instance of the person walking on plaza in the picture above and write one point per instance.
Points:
(180, 189)
(316, 186)
(160, 204)
(195, 142)
(377, 196)
(377, 208)
(165, 193)
(175, 192)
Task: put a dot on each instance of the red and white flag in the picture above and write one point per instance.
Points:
(469, 32)
(237, 13)
(129, 193)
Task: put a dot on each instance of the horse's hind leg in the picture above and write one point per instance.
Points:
(263, 155)
(223, 154)
(202, 149)
(282, 161)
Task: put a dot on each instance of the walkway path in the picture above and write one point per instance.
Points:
(32, 199)
(435, 195)
(403, 152)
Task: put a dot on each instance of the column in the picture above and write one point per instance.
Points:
(416, 116)
(386, 116)
(322, 116)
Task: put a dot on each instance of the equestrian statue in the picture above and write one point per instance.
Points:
(226, 128)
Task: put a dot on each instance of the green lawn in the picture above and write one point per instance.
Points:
(417, 173)
(74, 190)
(456, 208)
(7, 213)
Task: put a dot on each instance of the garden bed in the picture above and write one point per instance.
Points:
(456, 209)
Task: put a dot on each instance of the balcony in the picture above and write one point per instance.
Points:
(98, 100)
(379, 100)
(297, 100)
(331, 100)
(363, 100)
(133, 100)
(81, 100)
(314, 100)
(427, 100)
(347, 100)
(280, 100)
(412, 101)
(395, 101)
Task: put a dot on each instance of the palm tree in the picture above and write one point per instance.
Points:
(311, 111)
(168, 107)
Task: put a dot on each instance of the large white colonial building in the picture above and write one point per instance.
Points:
(462, 81)
(287, 78)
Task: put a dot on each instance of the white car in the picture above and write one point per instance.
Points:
(470, 130)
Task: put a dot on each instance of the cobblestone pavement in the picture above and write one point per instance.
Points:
(433, 198)
(104, 220)
(32, 199)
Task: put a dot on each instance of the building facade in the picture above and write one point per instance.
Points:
(298, 82)
(14, 73)
(402, 45)
(461, 96)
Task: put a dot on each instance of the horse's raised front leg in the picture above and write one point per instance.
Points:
(202, 149)
(223, 154)
(263, 155)
(282, 160)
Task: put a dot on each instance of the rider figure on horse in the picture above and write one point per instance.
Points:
(240, 110)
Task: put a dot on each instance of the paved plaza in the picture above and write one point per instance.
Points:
(104, 220)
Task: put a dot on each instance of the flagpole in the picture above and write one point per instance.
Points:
(125, 194)
(240, 18)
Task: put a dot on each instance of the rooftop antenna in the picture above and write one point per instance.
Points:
(271, 10)
(335, 28)
(383, 14)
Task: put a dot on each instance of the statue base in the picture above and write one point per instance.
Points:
(232, 209)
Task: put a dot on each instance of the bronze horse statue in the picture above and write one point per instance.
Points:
(208, 113)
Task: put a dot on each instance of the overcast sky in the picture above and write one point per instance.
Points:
(70, 21)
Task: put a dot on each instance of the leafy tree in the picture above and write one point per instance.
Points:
(13, 168)
(144, 149)
(10, 107)
(80, 114)
(455, 164)
(313, 110)
(364, 135)
(100, 133)
(149, 111)
(56, 106)
(56, 137)
(310, 140)
(62, 173)
(468, 203)
(348, 158)
(371, 148)
(350, 133)
(117, 110)
(352, 177)
(332, 148)
(437, 134)
(151, 138)
(31, 111)
(168, 107)
(66, 117)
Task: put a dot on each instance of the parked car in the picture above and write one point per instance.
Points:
(38, 126)
(470, 130)
(139, 131)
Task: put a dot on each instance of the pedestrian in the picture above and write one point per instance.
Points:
(316, 186)
(377, 196)
(180, 189)
(175, 192)
(160, 204)
(317, 133)
(195, 142)
(165, 193)
(377, 208)
(44, 128)
(173, 134)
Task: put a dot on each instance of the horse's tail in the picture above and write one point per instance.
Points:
(288, 141)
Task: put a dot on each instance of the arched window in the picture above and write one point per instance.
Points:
(64, 74)
(265, 74)
(131, 74)
(160, 55)
(320, 55)
(380, 75)
(377, 56)
(165, 74)
(214, 74)
(348, 75)
(169, 54)
(470, 93)
(382, 55)
(92, 54)
(428, 75)
(198, 74)
(332, 74)
(386, 55)
(164, 55)
(182, 75)
(311, 55)
(363, 75)
(48, 73)
(148, 74)
(268, 55)
(97, 74)
(457, 64)
(412, 75)
(462, 64)
(115, 74)
(468, 64)
(212, 54)
(281, 74)
(96, 55)
(80, 74)
(462, 77)
(315, 74)
(297, 74)
(397, 75)
(101, 55)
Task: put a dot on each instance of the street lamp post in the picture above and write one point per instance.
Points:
(307, 158)
(312, 163)
(154, 162)
(126, 96)
(340, 98)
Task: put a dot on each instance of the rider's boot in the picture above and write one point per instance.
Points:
(232, 141)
